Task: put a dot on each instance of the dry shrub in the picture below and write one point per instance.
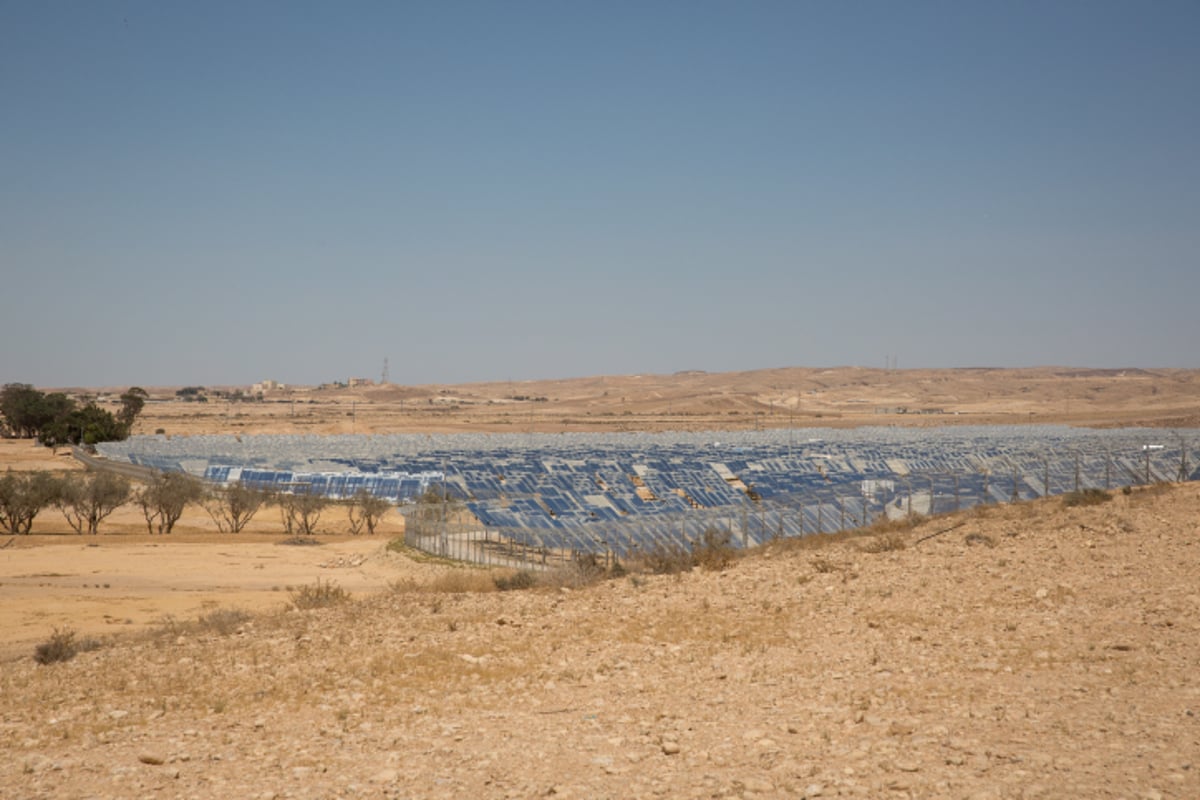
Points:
(714, 550)
(887, 543)
(665, 559)
(222, 621)
(980, 538)
(1086, 497)
(318, 595)
(62, 646)
(521, 579)
(463, 581)
(457, 581)
(584, 570)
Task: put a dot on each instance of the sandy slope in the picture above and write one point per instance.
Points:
(1031, 651)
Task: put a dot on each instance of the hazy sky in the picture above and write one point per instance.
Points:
(209, 192)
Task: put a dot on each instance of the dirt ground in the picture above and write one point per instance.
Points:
(1025, 651)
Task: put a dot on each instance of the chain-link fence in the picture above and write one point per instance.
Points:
(443, 525)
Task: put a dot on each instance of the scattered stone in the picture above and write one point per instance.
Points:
(670, 748)
(154, 759)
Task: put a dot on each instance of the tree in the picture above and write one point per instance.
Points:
(132, 403)
(23, 495)
(26, 411)
(87, 425)
(87, 500)
(164, 498)
(365, 511)
(301, 511)
(232, 507)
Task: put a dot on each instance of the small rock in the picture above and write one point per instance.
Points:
(151, 758)
(670, 748)
(907, 765)
(814, 790)
(386, 776)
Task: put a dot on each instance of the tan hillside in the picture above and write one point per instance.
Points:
(776, 398)
(1012, 652)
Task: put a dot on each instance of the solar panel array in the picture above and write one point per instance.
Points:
(622, 493)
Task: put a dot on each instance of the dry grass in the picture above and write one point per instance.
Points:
(663, 559)
(1085, 497)
(223, 621)
(979, 538)
(62, 646)
(886, 543)
(318, 595)
(715, 550)
(457, 581)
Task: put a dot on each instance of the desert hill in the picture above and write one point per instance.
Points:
(773, 398)
(1024, 651)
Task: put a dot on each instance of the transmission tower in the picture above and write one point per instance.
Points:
(384, 378)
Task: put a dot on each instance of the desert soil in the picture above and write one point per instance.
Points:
(1022, 651)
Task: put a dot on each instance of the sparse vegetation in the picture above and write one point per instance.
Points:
(88, 499)
(23, 495)
(223, 621)
(521, 579)
(62, 646)
(365, 510)
(1086, 497)
(886, 543)
(232, 507)
(164, 498)
(318, 595)
(301, 511)
(666, 559)
(714, 550)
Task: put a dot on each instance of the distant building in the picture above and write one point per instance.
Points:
(360, 382)
(266, 386)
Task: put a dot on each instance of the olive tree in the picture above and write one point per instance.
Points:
(232, 507)
(87, 499)
(23, 495)
(164, 498)
(301, 511)
(365, 511)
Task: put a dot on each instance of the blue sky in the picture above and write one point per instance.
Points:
(217, 193)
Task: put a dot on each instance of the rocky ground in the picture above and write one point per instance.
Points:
(1031, 651)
